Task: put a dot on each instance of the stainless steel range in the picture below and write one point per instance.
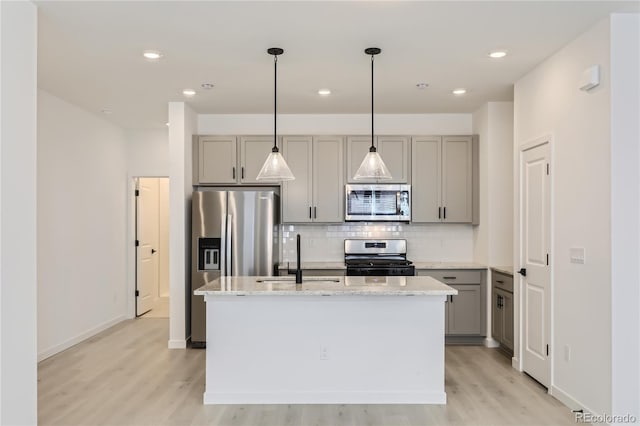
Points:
(377, 258)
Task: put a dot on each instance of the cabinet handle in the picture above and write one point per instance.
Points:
(315, 212)
(439, 212)
(500, 281)
(445, 212)
(233, 172)
(449, 278)
(451, 298)
(242, 168)
(309, 212)
(498, 302)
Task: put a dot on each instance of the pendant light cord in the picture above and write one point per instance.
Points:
(275, 103)
(373, 148)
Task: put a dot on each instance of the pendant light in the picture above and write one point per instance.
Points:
(372, 166)
(275, 168)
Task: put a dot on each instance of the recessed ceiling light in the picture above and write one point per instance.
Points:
(207, 86)
(422, 86)
(106, 111)
(152, 54)
(324, 92)
(459, 91)
(188, 92)
(498, 54)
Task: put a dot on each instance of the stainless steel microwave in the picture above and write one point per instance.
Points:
(377, 203)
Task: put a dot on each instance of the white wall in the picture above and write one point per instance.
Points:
(334, 124)
(18, 340)
(493, 122)
(548, 102)
(183, 126)
(148, 152)
(81, 224)
(625, 213)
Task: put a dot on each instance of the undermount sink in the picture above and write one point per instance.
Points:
(292, 280)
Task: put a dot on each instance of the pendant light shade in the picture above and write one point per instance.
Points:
(275, 168)
(372, 166)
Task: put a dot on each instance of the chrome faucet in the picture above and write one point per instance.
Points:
(298, 265)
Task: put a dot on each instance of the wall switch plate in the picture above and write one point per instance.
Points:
(576, 255)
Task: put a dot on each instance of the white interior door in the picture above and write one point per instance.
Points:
(535, 231)
(147, 236)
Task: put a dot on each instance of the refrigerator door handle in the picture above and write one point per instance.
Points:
(223, 249)
(228, 243)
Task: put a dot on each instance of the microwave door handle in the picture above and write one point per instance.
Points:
(398, 203)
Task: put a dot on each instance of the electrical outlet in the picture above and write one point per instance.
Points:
(324, 353)
(567, 353)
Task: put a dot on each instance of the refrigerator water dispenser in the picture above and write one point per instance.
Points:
(209, 254)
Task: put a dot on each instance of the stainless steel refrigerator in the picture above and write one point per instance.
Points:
(233, 233)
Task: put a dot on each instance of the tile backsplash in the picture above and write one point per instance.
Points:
(425, 242)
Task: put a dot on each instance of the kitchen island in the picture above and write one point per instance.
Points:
(330, 340)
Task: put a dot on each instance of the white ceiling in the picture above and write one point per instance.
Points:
(90, 53)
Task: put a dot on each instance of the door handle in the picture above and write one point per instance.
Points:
(523, 272)
(228, 243)
(153, 251)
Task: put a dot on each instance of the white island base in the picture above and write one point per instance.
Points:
(325, 349)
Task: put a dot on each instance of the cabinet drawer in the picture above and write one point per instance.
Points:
(453, 276)
(502, 281)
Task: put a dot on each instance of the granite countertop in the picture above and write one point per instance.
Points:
(448, 265)
(326, 286)
(507, 270)
(314, 265)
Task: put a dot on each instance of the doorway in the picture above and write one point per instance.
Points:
(152, 247)
(535, 243)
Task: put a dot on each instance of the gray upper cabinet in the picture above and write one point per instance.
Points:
(426, 177)
(297, 198)
(457, 185)
(443, 183)
(394, 150)
(253, 151)
(316, 194)
(216, 159)
(357, 148)
(328, 178)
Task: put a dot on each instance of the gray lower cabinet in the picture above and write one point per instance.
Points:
(464, 312)
(502, 309)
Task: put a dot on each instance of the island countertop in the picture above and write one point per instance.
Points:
(326, 286)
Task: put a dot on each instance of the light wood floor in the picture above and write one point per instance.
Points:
(127, 376)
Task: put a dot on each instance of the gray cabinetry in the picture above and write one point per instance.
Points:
(464, 312)
(317, 193)
(395, 151)
(253, 151)
(225, 160)
(216, 160)
(502, 309)
(443, 179)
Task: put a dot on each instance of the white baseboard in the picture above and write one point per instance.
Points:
(177, 344)
(491, 343)
(338, 397)
(515, 364)
(79, 338)
(570, 401)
